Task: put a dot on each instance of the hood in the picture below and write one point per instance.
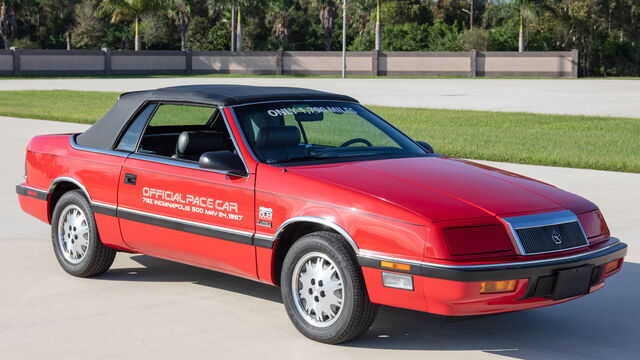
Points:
(440, 188)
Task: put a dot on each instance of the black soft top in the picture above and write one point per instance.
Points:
(103, 133)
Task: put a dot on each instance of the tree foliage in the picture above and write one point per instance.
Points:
(88, 30)
(606, 33)
(8, 22)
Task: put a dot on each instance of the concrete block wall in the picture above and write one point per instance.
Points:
(362, 63)
(423, 63)
(59, 62)
(244, 62)
(326, 63)
(154, 62)
(534, 64)
(6, 62)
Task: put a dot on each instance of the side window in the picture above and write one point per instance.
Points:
(129, 139)
(184, 132)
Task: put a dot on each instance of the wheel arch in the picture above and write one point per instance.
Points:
(293, 229)
(59, 187)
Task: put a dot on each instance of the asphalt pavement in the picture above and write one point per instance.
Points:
(553, 96)
(148, 308)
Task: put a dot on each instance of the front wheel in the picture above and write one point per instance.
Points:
(323, 290)
(75, 237)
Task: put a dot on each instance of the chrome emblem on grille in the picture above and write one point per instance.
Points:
(555, 236)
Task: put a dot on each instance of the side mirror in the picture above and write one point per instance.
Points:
(224, 161)
(425, 145)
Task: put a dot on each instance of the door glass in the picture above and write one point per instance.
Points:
(184, 132)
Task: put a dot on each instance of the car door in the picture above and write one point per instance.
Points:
(171, 208)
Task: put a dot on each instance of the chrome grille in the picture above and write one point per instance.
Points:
(547, 232)
(558, 237)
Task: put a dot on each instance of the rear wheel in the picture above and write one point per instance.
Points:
(323, 290)
(75, 237)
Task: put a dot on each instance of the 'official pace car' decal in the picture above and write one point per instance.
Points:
(191, 203)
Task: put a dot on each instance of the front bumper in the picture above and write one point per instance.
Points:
(455, 289)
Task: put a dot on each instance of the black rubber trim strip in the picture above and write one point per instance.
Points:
(34, 193)
(104, 210)
(193, 229)
(267, 244)
(510, 271)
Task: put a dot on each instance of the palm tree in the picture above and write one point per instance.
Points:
(527, 13)
(180, 11)
(239, 38)
(8, 23)
(130, 10)
(236, 26)
(378, 45)
(368, 5)
(327, 12)
(277, 17)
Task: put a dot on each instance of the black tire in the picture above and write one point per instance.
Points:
(357, 312)
(97, 257)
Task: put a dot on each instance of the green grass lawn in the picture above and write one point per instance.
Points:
(604, 143)
(60, 105)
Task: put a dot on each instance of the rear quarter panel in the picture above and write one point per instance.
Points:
(51, 159)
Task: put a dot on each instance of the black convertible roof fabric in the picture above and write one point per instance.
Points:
(103, 133)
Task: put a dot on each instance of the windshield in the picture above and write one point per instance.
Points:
(291, 131)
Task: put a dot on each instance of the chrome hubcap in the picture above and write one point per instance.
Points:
(317, 289)
(73, 234)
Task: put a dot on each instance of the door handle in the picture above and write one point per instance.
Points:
(130, 178)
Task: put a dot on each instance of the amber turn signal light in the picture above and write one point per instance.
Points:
(612, 266)
(395, 266)
(492, 287)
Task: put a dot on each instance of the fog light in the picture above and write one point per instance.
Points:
(397, 281)
(492, 287)
(612, 266)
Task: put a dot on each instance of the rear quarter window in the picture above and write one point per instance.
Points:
(129, 139)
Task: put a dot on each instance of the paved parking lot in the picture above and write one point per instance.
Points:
(553, 96)
(156, 309)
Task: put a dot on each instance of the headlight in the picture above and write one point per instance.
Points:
(593, 223)
(477, 240)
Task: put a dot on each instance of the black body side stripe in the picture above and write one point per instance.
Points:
(31, 192)
(263, 243)
(204, 230)
(193, 229)
(180, 226)
(103, 209)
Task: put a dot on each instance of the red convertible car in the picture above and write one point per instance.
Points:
(311, 192)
